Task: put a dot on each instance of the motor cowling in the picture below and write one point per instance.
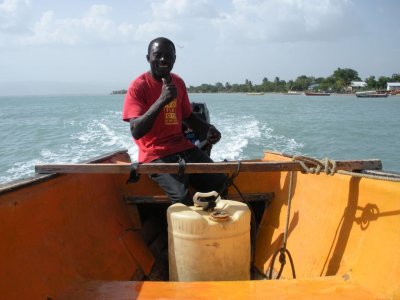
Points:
(201, 111)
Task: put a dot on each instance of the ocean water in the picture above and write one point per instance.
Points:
(69, 129)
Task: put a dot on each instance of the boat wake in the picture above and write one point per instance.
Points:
(243, 137)
(246, 137)
(85, 139)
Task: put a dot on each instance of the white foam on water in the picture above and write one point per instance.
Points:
(236, 134)
(104, 135)
(279, 143)
(91, 138)
(19, 170)
(87, 140)
(242, 134)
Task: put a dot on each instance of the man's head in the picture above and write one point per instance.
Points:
(161, 57)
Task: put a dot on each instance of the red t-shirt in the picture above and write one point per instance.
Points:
(165, 137)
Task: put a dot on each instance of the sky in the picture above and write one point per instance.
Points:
(96, 46)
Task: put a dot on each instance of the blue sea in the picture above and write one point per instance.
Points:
(69, 129)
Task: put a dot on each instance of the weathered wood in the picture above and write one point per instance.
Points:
(217, 167)
(251, 197)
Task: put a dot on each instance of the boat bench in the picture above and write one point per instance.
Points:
(332, 287)
(249, 197)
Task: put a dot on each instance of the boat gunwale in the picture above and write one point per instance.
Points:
(39, 178)
(381, 173)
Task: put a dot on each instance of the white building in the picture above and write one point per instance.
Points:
(358, 84)
(393, 86)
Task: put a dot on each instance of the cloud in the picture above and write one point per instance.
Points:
(97, 26)
(287, 20)
(94, 27)
(176, 9)
(202, 20)
(13, 16)
(276, 21)
(180, 18)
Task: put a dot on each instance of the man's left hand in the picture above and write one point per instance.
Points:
(213, 135)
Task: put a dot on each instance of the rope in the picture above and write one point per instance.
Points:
(283, 250)
(282, 259)
(370, 176)
(326, 165)
(285, 235)
(330, 168)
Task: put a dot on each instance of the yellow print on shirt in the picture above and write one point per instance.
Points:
(170, 113)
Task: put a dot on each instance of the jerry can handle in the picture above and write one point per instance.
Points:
(198, 195)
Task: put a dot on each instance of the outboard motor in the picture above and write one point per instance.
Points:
(201, 111)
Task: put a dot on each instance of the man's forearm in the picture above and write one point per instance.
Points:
(143, 124)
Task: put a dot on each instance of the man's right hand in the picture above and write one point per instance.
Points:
(168, 92)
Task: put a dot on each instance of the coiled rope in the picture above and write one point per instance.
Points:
(328, 166)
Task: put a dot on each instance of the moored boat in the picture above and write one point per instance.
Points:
(293, 93)
(79, 231)
(371, 94)
(255, 93)
(317, 94)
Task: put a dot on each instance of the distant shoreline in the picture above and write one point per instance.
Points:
(300, 93)
(118, 92)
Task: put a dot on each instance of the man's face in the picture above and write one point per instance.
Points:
(161, 59)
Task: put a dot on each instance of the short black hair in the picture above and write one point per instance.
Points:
(160, 40)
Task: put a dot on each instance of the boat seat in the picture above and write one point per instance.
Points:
(250, 197)
(333, 287)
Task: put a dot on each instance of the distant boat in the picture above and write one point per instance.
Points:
(317, 94)
(256, 94)
(292, 93)
(371, 94)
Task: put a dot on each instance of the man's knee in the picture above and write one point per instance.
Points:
(183, 198)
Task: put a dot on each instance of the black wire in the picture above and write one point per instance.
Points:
(253, 225)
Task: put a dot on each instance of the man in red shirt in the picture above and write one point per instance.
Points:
(156, 105)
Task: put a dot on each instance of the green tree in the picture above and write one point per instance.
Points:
(290, 85)
(328, 84)
(267, 86)
(396, 77)
(382, 82)
(371, 82)
(302, 83)
(338, 82)
(345, 76)
(219, 86)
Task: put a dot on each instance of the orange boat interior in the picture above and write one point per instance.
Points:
(93, 236)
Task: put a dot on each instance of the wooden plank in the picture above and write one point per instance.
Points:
(217, 167)
(251, 197)
(329, 287)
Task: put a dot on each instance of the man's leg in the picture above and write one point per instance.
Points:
(174, 185)
(205, 182)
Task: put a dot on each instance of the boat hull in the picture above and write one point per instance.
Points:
(373, 96)
(75, 236)
(316, 94)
